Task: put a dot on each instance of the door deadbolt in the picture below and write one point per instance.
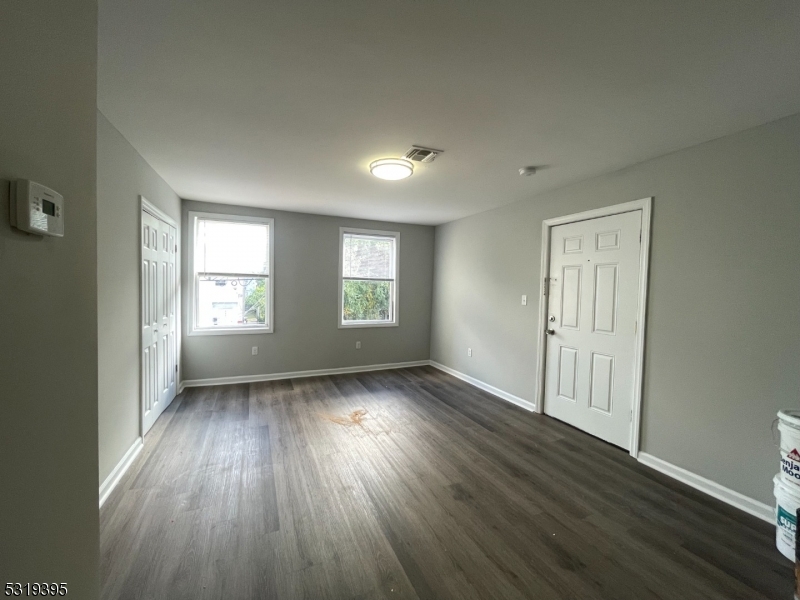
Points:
(552, 319)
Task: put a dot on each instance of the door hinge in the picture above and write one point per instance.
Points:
(176, 368)
(631, 415)
(640, 236)
(545, 286)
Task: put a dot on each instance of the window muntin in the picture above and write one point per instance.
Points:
(368, 278)
(231, 264)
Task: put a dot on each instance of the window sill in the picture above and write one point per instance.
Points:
(230, 331)
(362, 325)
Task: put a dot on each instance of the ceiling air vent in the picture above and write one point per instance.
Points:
(421, 154)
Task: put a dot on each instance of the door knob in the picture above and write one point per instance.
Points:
(550, 331)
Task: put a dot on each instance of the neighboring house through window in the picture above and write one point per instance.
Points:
(368, 266)
(231, 262)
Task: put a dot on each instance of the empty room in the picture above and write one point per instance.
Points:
(414, 299)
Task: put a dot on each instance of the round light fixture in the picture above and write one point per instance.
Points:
(391, 168)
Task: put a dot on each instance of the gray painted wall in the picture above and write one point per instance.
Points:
(306, 332)
(723, 341)
(122, 176)
(48, 299)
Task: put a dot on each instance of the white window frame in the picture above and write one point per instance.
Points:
(395, 296)
(244, 329)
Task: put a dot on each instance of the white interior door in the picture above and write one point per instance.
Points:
(591, 326)
(172, 321)
(159, 343)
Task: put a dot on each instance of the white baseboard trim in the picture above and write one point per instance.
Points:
(521, 402)
(712, 488)
(122, 466)
(181, 387)
(296, 374)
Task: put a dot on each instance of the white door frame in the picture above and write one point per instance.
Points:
(146, 205)
(645, 205)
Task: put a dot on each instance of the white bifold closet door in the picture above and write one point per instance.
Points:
(159, 298)
(591, 327)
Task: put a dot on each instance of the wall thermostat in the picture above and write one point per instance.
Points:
(36, 208)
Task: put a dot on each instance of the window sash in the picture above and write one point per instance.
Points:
(201, 250)
(366, 279)
(232, 275)
(233, 326)
(390, 319)
(347, 265)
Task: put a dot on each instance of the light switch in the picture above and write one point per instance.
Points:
(358, 345)
(524, 300)
(255, 350)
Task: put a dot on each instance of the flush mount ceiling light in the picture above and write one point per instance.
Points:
(391, 168)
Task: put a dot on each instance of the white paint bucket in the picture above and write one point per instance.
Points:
(787, 501)
(789, 428)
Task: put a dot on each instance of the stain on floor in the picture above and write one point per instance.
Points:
(354, 418)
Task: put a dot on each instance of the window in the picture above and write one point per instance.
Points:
(368, 265)
(231, 260)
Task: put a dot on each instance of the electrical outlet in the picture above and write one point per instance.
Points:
(524, 300)
(255, 350)
(469, 351)
(358, 345)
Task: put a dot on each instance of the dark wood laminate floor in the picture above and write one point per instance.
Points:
(410, 484)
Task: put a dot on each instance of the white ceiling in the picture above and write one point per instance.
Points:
(283, 103)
